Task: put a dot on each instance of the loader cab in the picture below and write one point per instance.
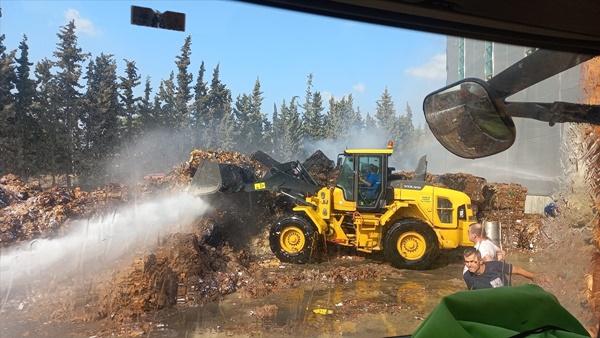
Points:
(362, 179)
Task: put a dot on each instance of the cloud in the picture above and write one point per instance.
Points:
(359, 87)
(82, 25)
(434, 69)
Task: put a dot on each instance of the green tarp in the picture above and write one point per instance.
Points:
(500, 312)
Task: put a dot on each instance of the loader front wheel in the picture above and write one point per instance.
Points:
(292, 239)
(411, 244)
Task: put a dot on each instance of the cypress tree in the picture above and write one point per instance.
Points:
(256, 119)
(7, 99)
(69, 102)
(386, 116)
(101, 119)
(313, 117)
(26, 129)
(200, 105)
(46, 114)
(148, 120)
(291, 131)
(130, 126)
(219, 107)
(183, 96)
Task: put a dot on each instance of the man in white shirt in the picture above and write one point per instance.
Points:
(488, 250)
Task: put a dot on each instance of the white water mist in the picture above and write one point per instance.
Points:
(95, 243)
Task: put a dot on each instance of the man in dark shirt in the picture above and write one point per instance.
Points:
(491, 274)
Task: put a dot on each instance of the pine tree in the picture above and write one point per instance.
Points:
(370, 124)
(405, 132)
(342, 121)
(101, 118)
(257, 120)
(313, 117)
(241, 112)
(219, 107)
(46, 114)
(183, 96)
(165, 105)
(26, 128)
(148, 120)
(7, 84)
(130, 126)
(199, 114)
(291, 131)
(249, 119)
(386, 116)
(69, 101)
(227, 133)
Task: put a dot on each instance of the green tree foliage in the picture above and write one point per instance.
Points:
(199, 113)
(370, 123)
(314, 122)
(164, 103)
(250, 120)
(289, 136)
(100, 120)
(148, 117)
(46, 115)
(181, 114)
(386, 116)
(69, 103)
(342, 122)
(25, 126)
(7, 84)
(130, 124)
(219, 117)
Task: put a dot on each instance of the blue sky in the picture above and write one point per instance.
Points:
(278, 47)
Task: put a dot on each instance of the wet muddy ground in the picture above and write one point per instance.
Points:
(376, 300)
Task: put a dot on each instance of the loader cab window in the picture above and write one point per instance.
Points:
(346, 178)
(444, 210)
(369, 184)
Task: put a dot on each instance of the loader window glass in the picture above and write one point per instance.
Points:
(444, 210)
(369, 180)
(346, 178)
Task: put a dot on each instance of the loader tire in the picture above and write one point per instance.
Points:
(411, 244)
(292, 239)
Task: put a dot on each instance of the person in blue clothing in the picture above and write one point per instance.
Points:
(371, 180)
(551, 210)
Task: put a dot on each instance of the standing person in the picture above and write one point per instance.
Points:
(489, 251)
(491, 274)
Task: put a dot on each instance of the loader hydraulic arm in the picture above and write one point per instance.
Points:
(290, 178)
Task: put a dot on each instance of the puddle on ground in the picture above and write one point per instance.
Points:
(392, 305)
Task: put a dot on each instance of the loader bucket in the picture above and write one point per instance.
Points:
(212, 176)
(207, 179)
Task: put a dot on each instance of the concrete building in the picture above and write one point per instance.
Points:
(539, 157)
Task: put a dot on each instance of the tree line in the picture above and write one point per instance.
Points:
(74, 114)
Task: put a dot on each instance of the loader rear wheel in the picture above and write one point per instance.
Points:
(292, 239)
(411, 244)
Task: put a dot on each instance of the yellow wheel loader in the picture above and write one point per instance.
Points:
(410, 220)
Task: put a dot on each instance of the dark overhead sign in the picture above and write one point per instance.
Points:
(143, 16)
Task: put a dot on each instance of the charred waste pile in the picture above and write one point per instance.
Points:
(193, 258)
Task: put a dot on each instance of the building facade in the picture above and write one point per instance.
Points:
(538, 158)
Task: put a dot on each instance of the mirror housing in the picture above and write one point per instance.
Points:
(468, 120)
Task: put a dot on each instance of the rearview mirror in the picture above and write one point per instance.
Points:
(466, 120)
